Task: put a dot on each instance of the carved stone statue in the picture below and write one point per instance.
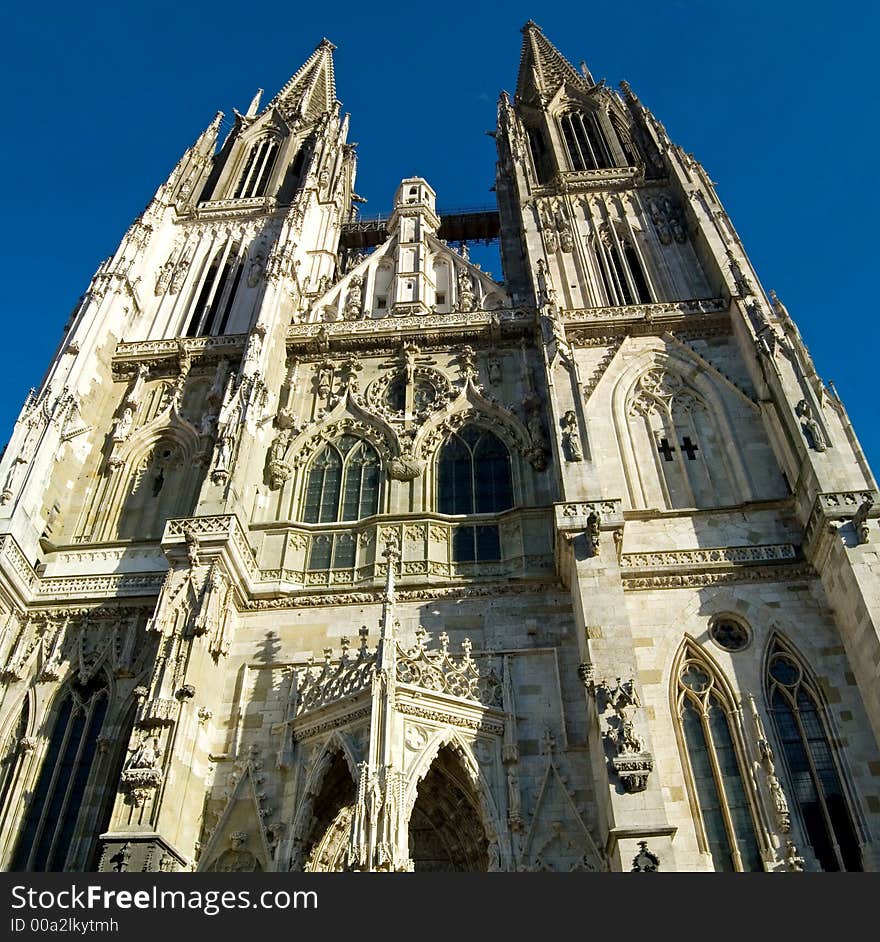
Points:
(812, 430)
(255, 344)
(146, 756)
(354, 302)
(123, 425)
(593, 531)
(466, 302)
(571, 439)
(223, 454)
(493, 368)
(793, 860)
(236, 859)
(546, 290)
(279, 470)
(180, 270)
(255, 269)
(548, 225)
(860, 520)
(163, 277)
(325, 378)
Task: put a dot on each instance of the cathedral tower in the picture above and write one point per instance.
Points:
(322, 549)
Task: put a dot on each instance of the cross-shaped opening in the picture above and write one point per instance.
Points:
(689, 448)
(666, 449)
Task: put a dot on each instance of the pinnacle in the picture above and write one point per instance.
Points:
(543, 68)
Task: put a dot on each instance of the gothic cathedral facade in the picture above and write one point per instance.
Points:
(321, 549)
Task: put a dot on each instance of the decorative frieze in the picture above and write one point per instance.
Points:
(699, 580)
(101, 586)
(658, 309)
(11, 552)
(130, 355)
(489, 590)
(715, 556)
(233, 208)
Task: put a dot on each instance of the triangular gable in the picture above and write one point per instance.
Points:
(558, 837)
(227, 849)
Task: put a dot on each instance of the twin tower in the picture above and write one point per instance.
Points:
(322, 549)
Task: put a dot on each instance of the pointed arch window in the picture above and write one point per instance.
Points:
(816, 780)
(343, 482)
(540, 154)
(714, 760)
(210, 313)
(621, 269)
(474, 477)
(257, 169)
(585, 141)
(51, 818)
(11, 751)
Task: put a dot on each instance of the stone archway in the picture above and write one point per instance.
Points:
(328, 839)
(446, 832)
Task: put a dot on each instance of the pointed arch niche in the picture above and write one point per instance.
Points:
(158, 478)
(446, 832)
(677, 443)
(815, 775)
(325, 816)
(715, 763)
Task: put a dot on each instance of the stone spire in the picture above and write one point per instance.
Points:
(543, 68)
(312, 90)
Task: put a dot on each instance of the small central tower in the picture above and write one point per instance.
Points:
(415, 221)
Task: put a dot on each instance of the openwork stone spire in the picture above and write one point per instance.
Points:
(542, 67)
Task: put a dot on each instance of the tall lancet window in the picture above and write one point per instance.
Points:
(587, 147)
(473, 475)
(10, 753)
(714, 762)
(257, 169)
(60, 794)
(816, 780)
(210, 313)
(540, 154)
(343, 484)
(621, 270)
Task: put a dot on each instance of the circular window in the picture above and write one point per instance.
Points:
(729, 634)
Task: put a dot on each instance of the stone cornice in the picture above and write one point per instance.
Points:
(235, 208)
(709, 315)
(322, 338)
(376, 597)
(15, 565)
(586, 181)
(130, 355)
(112, 586)
(720, 556)
(719, 565)
(698, 580)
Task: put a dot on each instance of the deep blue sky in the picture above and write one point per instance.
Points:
(777, 99)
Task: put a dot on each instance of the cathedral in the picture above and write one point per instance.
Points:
(321, 549)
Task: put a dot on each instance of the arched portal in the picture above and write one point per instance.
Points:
(445, 828)
(327, 843)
